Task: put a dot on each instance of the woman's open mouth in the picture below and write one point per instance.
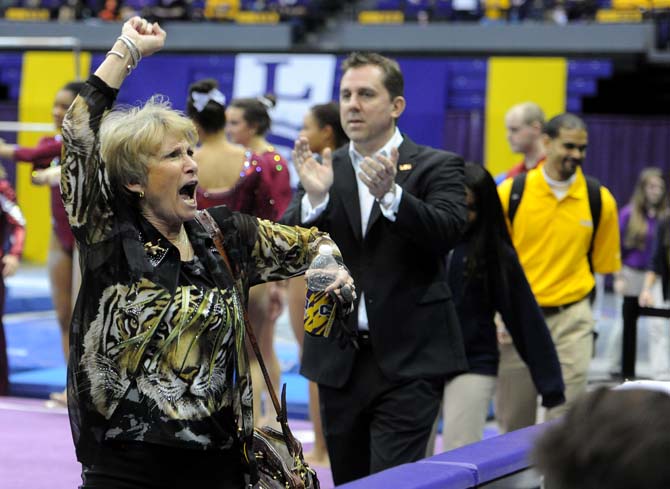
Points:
(187, 193)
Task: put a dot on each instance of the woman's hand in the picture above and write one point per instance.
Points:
(619, 285)
(6, 150)
(10, 264)
(48, 176)
(646, 298)
(343, 287)
(148, 37)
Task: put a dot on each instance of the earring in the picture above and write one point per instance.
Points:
(141, 194)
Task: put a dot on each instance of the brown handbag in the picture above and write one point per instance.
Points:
(279, 456)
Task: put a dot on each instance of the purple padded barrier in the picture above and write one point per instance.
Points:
(417, 476)
(492, 458)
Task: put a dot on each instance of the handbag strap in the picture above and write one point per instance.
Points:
(211, 226)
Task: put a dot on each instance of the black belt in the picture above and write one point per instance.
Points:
(556, 309)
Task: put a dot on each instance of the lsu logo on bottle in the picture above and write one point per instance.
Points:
(319, 313)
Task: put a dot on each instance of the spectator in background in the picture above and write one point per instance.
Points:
(485, 276)
(524, 123)
(659, 266)
(638, 222)
(64, 277)
(247, 123)
(322, 129)
(560, 249)
(13, 232)
(395, 209)
(228, 173)
(168, 10)
(614, 439)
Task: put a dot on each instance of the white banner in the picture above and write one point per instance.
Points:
(298, 81)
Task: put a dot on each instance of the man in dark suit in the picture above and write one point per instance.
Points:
(395, 209)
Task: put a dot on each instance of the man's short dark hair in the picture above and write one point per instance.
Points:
(392, 75)
(614, 439)
(563, 121)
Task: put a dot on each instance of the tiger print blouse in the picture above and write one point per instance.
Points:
(157, 345)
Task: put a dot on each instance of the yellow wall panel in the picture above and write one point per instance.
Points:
(43, 74)
(515, 80)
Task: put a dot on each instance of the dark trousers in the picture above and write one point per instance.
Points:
(372, 423)
(145, 466)
(4, 362)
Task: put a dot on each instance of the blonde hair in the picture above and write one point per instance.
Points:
(131, 136)
(635, 235)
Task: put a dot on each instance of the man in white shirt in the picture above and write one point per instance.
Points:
(395, 209)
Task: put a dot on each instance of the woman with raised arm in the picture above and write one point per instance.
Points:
(159, 393)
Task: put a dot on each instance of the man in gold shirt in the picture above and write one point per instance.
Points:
(552, 228)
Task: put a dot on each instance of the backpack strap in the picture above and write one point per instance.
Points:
(596, 204)
(515, 195)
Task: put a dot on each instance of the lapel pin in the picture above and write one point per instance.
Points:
(405, 167)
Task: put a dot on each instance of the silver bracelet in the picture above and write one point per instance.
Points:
(120, 55)
(132, 49)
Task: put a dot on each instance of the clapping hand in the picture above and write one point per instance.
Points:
(316, 178)
(378, 173)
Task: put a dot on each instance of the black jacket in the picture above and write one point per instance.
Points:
(400, 267)
(477, 304)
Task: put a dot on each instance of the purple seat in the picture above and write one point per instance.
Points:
(413, 7)
(140, 4)
(583, 86)
(467, 101)
(476, 65)
(468, 82)
(442, 9)
(593, 67)
(389, 5)
(573, 104)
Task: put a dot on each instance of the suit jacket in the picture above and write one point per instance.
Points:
(400, 267)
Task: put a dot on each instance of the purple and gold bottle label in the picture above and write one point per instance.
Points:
(320, 312)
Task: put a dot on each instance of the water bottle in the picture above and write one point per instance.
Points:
(320, 308)
(323, 270)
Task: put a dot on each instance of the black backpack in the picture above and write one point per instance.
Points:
(595, 203)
